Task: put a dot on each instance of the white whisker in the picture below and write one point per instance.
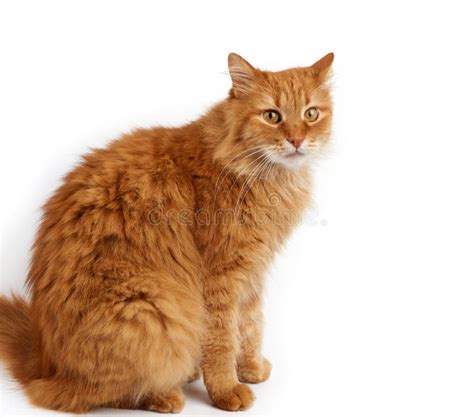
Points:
(220, 181)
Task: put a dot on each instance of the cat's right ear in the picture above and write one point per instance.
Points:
(323, 67)
(242, 74)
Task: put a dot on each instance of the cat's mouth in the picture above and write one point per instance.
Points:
(294, 155)
(291, 158)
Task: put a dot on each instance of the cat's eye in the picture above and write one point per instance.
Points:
(311, 115)
(272, 117)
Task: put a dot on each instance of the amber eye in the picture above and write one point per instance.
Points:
(311, 115)
(272, 117)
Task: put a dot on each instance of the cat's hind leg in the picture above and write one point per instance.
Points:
(166, 402)
(170, 401)
(72, 394)
(145, 340)
(195, 375)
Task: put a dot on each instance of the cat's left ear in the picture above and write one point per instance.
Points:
(323, 66)
(242, 74)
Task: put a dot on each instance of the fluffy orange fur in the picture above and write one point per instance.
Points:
(148, 265)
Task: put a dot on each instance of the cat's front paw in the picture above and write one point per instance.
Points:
(254, 372)
(238, 398)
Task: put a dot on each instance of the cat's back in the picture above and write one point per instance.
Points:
(130, 171)
(140, 157)
(116, 194)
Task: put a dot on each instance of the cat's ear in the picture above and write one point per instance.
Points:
(323, 66)
(242, 74)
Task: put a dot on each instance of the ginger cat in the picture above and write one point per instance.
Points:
(148, 265)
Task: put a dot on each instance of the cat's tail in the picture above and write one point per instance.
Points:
(19, 351)
(17, 347)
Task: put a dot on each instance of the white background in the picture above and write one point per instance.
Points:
(370, 314)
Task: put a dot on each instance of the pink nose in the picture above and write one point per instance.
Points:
(296, 142)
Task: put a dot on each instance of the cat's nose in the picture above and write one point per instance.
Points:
(296, 142)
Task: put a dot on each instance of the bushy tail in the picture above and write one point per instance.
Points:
(17, 347)
(19, 351)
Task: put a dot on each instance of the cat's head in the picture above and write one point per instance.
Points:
(283, 117)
